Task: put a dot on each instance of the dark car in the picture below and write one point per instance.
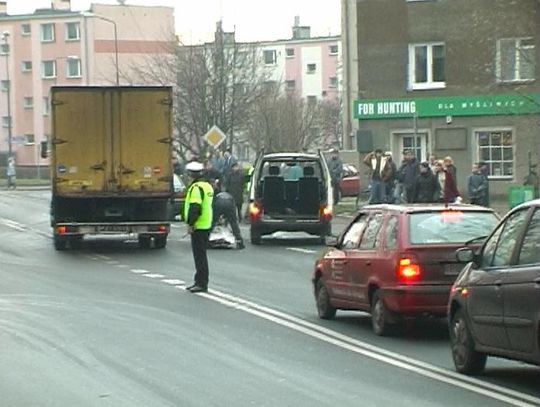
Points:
(494, 308)
(395, 261)
(290, 192)
(350, 183)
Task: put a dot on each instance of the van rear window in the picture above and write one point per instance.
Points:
(449, 226)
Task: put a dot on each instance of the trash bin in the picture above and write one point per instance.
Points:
(519, 194)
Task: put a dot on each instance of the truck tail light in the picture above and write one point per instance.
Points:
(255, 211)
(408, 270)
(325, 212)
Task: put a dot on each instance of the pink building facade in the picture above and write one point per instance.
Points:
(58, 46)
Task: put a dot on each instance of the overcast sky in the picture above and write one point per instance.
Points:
(253, 20)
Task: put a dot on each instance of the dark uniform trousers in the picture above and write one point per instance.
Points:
(227, 208)
(199, 244)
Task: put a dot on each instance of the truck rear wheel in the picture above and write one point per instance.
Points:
(144, 242)
(160, 241)
(59, 242)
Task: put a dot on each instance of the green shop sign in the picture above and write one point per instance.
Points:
(447, 106)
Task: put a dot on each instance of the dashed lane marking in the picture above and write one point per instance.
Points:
(139, 271)
(300, 250)
(152, 275)
(173, 281)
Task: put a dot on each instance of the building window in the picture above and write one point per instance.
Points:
(47, 32)
(426, 66)
(48, 69)
(311, 68)
(290, 84)
(5, 121)
(289, 52)
(4, 49)
(270, 56)
(515, 59)
(496, 149)
(311, 100)
(28, 102)
(72, 32)
(4, 85)
(27, 66)
(46, 106)
(333, 49)
(29, 139)
(26, 29)
(73, 68)
(333, 82)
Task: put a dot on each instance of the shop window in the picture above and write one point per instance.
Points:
(496, 149)
(515, 59)
(426, 66)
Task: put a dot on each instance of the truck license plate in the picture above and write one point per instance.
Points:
(112, 228)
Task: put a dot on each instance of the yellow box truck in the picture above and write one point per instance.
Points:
(111, 166)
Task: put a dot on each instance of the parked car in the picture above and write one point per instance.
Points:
(290, 192)
(177, 202)
(395, 261)
(494, 308)
(350, 183)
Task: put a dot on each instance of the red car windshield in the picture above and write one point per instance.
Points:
(450, 226)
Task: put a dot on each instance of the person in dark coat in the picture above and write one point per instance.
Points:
(407, 174)
(224, 205)
(234, 185)
(477, 185)
(335, 165)
(426, 188)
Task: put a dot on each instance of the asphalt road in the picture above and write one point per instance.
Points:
(111, 325)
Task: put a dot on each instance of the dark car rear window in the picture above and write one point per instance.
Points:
(449, 226)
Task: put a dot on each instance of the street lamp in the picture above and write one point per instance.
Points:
(90, 14)
(5, 36)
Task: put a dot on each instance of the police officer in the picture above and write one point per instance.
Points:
(198, 215)
(224, 204)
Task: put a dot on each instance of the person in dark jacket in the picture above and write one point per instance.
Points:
(477, 185)
(224, 205)
(335, 165)
(426, 187)
(234, 185)
(381, 172)
(407, 174)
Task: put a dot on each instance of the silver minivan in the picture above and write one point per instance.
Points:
(290, 192)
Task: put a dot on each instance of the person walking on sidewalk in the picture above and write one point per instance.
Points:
(11, 173)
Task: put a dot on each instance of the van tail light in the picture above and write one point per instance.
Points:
(408, 269)
(255, 211)
(325, 212)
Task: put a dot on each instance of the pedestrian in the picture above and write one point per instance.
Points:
(391, 183)
(198, 215)
(228, 161)
(217, 161)
(448, 192)
(11, 173)
(426, 188)
(213, 176)
(407, 173)
(449, 166)
(224, 205)
(484, 167)
(477, 186)
(335, 165)
(234, 185)
(381, 172)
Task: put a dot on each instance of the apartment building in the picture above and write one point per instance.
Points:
(58, 46)
(453, 78)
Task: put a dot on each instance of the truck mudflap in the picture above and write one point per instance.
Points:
(116, 228)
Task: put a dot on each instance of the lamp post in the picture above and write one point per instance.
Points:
(5, 36)
(90, 14)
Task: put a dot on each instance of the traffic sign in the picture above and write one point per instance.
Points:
(215, 136)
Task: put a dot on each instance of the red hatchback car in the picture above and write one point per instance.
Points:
(395, 261)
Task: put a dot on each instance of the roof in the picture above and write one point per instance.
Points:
(289, 156)
(412, 208)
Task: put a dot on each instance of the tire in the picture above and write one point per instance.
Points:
(160, 241)
(255, 237)
(76, 242)
(325, 309)
(144, 242)
(380, 316)
(466, 359)
(59, 243)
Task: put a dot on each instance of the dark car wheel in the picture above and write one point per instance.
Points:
(255, 236)
(380, 316)
(466, 359)
(325, 310)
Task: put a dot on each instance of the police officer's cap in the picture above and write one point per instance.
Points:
(194, 166)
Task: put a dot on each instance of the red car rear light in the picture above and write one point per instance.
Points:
(255, 211)
(325, 212)
(408, 269)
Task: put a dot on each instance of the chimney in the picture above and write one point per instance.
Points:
(61, 5)
(296, 21)
(300, 32)
(3, 7)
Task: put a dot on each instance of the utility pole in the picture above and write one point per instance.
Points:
(5, 36)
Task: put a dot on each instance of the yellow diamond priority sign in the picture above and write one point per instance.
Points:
(215, 136)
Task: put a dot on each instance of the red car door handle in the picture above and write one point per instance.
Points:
(498, 283)
(368, 262)
(537, 281)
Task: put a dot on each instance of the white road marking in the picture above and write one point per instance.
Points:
(299, 249)
(139, 271)
(486, 389)
(122, 266)
(112, 262)
(173, 281)
(13, 225)
(152, 275)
